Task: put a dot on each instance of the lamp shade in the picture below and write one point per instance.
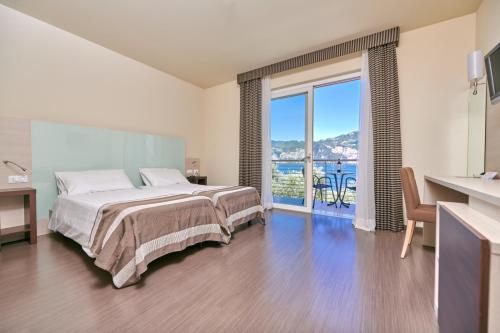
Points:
(475, 62)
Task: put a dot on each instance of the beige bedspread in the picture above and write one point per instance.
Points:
(130, 235)
(235, 205)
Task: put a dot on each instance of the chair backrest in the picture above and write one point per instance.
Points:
(321, 180)
(351, 183)
(410, 190)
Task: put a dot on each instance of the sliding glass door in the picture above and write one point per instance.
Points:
(317, 174)
(291, 149)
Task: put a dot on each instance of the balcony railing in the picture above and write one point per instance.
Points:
(288, 180)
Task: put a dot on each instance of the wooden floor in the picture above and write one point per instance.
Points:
(296, 274)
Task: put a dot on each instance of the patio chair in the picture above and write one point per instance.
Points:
(350, 184)
(322, 184)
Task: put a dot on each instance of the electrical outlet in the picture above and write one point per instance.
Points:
(17, 179)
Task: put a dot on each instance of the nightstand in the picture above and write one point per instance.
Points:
(29, 226)
(200, 180)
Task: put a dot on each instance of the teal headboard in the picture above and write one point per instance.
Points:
(61, 147)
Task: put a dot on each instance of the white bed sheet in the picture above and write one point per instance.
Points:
(183, 188)
(74, 215)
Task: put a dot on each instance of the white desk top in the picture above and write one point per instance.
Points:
(487, 190)
(486, 226)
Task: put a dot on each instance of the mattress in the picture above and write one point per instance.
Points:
(235, 204)
(183, 188)
(74, 216)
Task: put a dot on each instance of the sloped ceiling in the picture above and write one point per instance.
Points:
(207, 42)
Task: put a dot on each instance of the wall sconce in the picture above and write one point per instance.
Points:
(475, 66)
(23, 169)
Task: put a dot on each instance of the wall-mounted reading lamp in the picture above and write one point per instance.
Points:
(23, 169)
(475, 66)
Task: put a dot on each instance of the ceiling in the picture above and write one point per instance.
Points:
(207, 42)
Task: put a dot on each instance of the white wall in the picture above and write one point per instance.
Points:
(487, 36)
(221, 134)
(433, 88)
(49, 74)
(336, 67)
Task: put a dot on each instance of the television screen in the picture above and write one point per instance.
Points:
(492, 60)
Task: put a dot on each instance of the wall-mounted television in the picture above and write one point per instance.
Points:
(492, 60)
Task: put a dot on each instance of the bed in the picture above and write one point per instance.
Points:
(125, 228)
(234, 205)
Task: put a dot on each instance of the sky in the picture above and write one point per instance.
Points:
(336, 111)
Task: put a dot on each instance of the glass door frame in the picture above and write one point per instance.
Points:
(308, 90)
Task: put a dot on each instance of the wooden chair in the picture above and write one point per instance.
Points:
(415, 210)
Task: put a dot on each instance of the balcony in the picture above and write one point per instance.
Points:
(288, 185)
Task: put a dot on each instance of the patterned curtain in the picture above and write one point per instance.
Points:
(251, 134)
(384, 88)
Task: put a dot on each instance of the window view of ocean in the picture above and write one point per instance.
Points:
(335, 137)
(289, 183)
(320, 168)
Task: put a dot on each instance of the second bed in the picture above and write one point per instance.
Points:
(234, 205)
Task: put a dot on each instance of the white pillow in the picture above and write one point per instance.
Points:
(81, 182)
(162, 176)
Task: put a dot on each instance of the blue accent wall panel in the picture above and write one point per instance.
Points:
(62, 147)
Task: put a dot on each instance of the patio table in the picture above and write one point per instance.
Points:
(338, 187)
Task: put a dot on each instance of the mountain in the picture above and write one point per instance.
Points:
(344, 146)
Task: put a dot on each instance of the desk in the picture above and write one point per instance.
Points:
(468, 226)
(29, 226)
(481, 195)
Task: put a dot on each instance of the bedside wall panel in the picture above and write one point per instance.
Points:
(61, 147)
